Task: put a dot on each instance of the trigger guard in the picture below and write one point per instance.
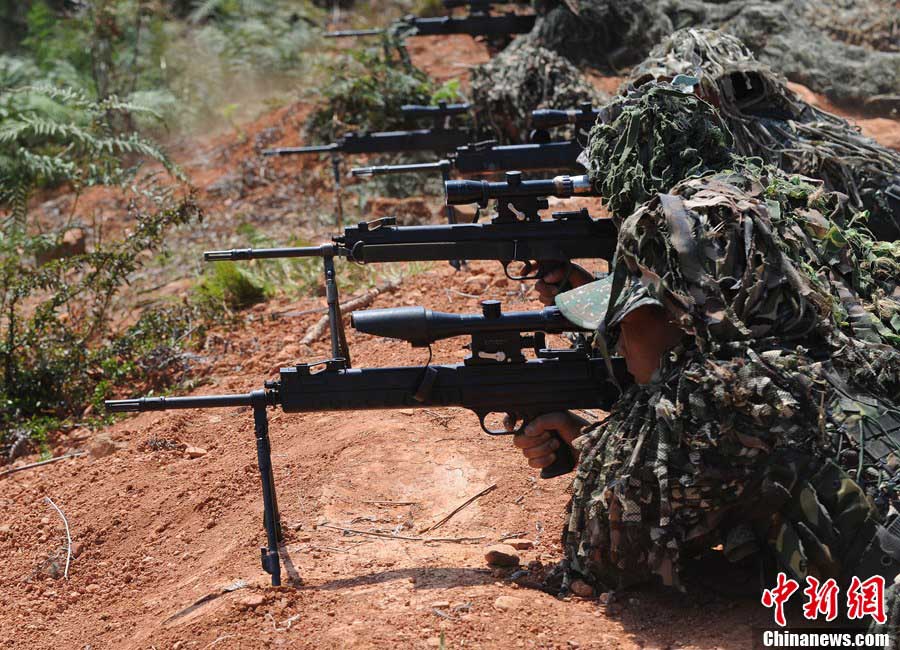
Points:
(523, 278)
(483, 416)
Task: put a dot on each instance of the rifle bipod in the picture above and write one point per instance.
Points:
(271, 518)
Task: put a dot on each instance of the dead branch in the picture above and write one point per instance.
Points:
(391, 503)
(315, 332)
(22, 468)
(374, 533)
(467, 502)
(68, 536)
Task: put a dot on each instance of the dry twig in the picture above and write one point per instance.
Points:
(315, 332)
(402, 537)
(467, 502)
(43, 462)
(68, 536)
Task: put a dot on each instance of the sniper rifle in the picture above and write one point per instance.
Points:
(439, 139)
(487, 157)
(477, 23)
(496, 378)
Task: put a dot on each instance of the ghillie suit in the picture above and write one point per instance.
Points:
(770, 121)
(368, 86)
(520, 79)
(773, 428)
(608, 34)
(782, 33)
(649, 140)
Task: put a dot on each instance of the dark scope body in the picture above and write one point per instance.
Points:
(479, 5)
(547, 118)
(441, 109)
(421, 327)
(468, 191)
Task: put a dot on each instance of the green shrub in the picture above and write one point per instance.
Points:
(231, 285)
(368, 86)
(59, 347)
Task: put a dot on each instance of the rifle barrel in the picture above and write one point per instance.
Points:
(289, 151)
(324, 250)
(347, 33)
(166, 403)
(383, 170)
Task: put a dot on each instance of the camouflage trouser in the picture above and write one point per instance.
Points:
(805, 513)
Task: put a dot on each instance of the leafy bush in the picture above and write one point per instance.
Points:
(59, 347)
(368, 86)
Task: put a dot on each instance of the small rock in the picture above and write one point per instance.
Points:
(5, 528)
(582, 589)
(440, 604)
(195, 452)
(303, 539)
(507, 603)
(477, 283)
(77, 549)
(92, 588)
(251, 600)
(502, 555)
(102, 446)
(520, 544)
(433, 642)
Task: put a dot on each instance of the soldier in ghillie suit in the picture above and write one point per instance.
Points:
(770, 121)
(846, 50)
(520, 79)
(762, 326)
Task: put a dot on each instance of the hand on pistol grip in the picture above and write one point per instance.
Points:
(558, 277)
(546, 441)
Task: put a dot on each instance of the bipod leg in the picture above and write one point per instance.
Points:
(271, 519)
(339, 347)
(338, 199)
(451, 211)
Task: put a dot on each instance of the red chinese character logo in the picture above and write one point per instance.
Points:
(778, 595)
(820, 599)
(866, 598)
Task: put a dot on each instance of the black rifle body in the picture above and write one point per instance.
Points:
(567, 236)
(481, 159)
(524, 389)
(475, 24)
(437, 140)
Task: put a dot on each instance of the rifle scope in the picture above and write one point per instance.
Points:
(480, 192)
(421, 327)
(440, 110)
(479, 5)
(546, 118)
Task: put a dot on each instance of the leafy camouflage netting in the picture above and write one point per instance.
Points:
(520, 79)
(874, 24)
(774, 423)
(785, 34)
(651, 139)
(609, 34)
(770, 121)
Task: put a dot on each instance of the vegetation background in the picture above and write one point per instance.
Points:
(92, 94)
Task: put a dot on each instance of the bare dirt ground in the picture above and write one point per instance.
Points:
(162, 534)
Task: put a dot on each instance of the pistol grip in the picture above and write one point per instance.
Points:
(564, 461)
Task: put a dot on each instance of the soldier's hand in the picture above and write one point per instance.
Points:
(548, 286)
(537, 442)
